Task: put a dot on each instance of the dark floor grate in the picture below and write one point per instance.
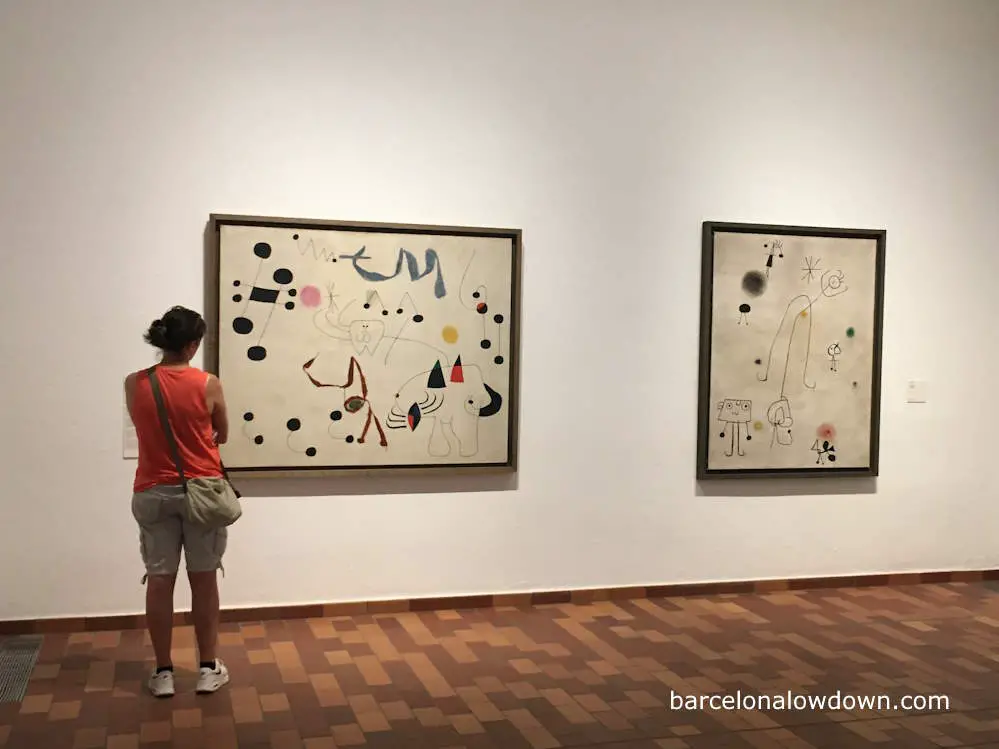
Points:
(17, 659)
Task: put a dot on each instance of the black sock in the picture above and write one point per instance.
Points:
(161, 669)
(208, 664)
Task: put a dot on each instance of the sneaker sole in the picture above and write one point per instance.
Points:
(212, 689)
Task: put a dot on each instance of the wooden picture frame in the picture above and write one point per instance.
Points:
(791, 327)
(362, 346)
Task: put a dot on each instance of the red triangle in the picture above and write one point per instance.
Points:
(457, 374)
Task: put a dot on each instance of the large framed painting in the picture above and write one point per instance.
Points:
(790, 351)
(366, 346)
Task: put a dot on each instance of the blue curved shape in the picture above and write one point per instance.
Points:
(429, 258)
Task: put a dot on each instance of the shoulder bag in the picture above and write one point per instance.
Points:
(211, 501)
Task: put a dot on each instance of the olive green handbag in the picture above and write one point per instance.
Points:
(211, 501)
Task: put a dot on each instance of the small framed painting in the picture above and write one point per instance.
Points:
(790, 351)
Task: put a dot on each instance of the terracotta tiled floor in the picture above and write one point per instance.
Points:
(552, 676)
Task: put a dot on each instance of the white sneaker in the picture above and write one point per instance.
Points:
(161, 684)
(210, 680)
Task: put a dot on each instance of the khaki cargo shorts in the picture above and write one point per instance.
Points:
(164, 531)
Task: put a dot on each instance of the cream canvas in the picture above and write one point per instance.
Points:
(790, 350)
(366, 346)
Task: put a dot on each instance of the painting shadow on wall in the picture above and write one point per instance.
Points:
(210, 345)
(345, 483)
(362, 485)
(788, 487)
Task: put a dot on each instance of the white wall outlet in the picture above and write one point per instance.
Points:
(916, 391)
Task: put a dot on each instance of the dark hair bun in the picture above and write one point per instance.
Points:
(157, 335)
(178, 328)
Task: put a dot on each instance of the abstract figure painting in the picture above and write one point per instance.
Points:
(790, 360)
(366, 346)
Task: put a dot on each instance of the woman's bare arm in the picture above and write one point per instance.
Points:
(217, 408)
(130, 394)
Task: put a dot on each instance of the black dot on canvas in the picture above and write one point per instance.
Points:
(283, 276)
(294, 236)
(294, 425)
(399, 311)
(292, 292)
(754, 283)
(367, 306)
(498, 319)
(349, 438)
(311, 452)
(417, 318)
(384, 311)
(235, 283)
(335, 415)
(498, 360)
(262, 250)
(258, 440)
(256, 353)
(289, 305)
(475, 295)
(485, 343)
(248, 416)
(242, 325)
(237, 297)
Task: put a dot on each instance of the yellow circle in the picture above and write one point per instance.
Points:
(804, 313)
(450, 333)
(757, 425)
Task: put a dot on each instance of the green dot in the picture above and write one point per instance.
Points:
(850, 332)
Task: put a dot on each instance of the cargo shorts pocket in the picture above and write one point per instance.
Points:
(146, 509)
(205, 548)
(143, 547)
(159, 533)
(221, 542)
(145, 542)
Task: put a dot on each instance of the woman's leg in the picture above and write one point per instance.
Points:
(159, 616)
(203, 550)
(160, 540)
(205, 610)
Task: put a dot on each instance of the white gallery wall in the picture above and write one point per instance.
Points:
(607, 131)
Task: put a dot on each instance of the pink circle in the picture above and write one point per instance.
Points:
(826, 432)
(310, 296)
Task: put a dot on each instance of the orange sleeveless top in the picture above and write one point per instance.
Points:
(187, 408)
